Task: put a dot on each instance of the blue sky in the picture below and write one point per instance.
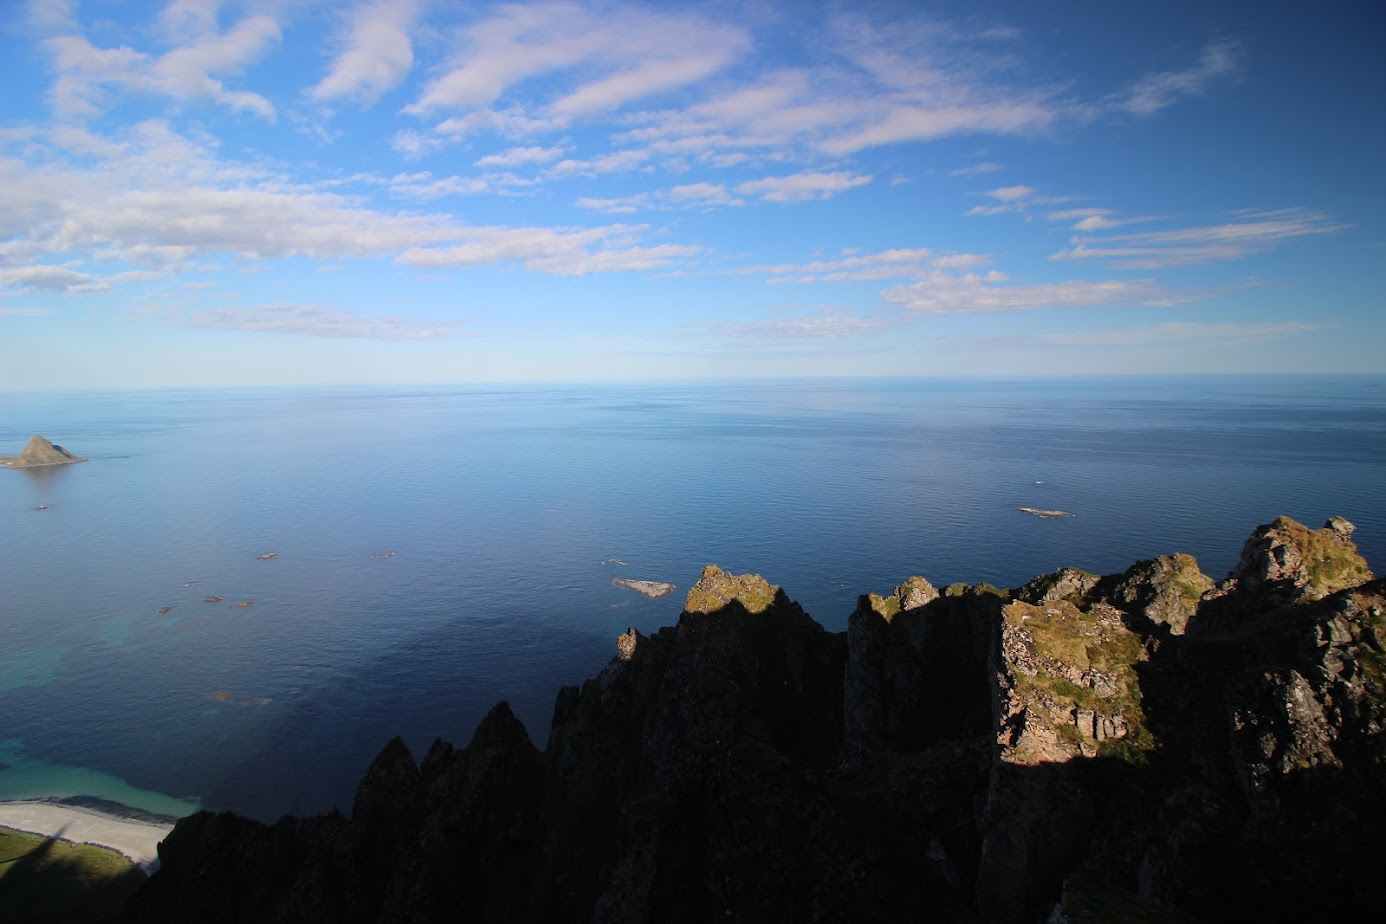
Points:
(205, 193)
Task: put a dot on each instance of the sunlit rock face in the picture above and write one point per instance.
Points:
(1142, 745)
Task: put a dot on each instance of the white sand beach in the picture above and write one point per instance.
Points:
(137, 840)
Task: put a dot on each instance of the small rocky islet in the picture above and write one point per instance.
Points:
(652, 589)
(39, 452)
(1148, 745)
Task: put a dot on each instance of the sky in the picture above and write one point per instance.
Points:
(204, 193)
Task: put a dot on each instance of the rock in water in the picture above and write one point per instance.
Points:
(652, 589)
(40, 451)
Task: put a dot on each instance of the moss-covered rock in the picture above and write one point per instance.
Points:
(1309, 563)
(1163, 591)
(716, 588)
(1069, 685)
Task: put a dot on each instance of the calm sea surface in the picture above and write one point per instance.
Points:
(510, 509)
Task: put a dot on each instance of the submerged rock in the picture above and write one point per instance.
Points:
(652, 589)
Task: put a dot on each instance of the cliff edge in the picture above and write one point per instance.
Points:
(1151, 745)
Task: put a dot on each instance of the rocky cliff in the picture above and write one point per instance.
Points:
(1149, 745)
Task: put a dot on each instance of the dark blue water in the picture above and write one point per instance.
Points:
(506, 508)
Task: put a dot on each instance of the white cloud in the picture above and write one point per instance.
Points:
(163, 199)
(51, 278)
(308, 320)
(518, 157)
(631, 53)
(425, 185)
(560, 251)
(897, 263)
(620, 205)
(703, 194)
(686, 196)
(375, 54)
(1010, 193)
(1254, 232)
(1157, 91)
(185, 73)
(1012, 199)
(974, 293)
(801, 186)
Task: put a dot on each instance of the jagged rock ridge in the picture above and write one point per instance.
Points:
(1148, 745)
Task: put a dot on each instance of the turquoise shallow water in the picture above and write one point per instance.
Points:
(509, 509)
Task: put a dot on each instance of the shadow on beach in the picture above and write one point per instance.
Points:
(45, 879)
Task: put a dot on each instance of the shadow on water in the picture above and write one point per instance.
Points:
(320, 746)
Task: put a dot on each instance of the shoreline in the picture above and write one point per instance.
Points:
(134, 838)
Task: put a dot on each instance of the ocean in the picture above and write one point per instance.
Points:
(440, 548)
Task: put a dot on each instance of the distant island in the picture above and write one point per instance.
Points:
(40, 451)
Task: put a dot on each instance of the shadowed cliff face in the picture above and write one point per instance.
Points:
(1142, 745)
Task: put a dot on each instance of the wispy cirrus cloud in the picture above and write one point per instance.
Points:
(624, 54)
(896, 263)
(518, 157)
(1150, 94)
(375, 52)
(977, 169)
(800, 187)
(826, 324)
(685, 196)
(1095, 219)
(308, 320)
(424, 185)
(993, 292)
(557, 251)
(1018, 198)
(1248, 233)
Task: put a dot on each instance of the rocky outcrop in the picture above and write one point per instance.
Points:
(652, 589)
(1303, 563)
(39, 451)
(1144, 745)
